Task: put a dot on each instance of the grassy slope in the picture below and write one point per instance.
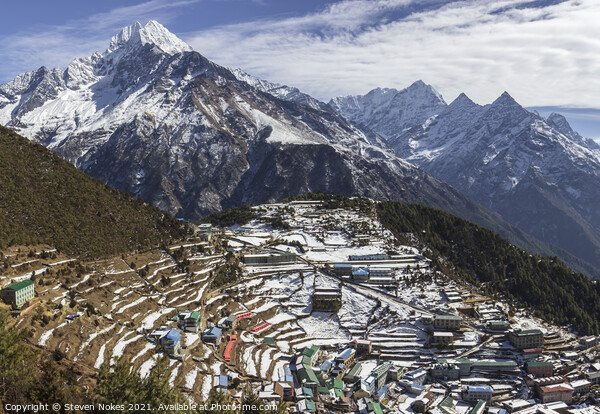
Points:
(44, 199)
(482, 257)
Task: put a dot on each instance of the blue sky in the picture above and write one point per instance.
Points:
(544, 52)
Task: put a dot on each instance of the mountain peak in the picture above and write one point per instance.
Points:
(422, 89)
(462, 100)
(559, 122)
(418, 84)
(154, 33)
(506, 101)
(505, 98)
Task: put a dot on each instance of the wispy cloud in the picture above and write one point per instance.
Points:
(547, 55)
(56, 46)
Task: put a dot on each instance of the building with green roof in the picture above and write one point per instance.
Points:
(335, 383)
(323, 390)
(375, 408)
(311, 352)
(478, 408)
(191, 323)
(447, 406)
(352, 375)
(18, 293)
(307, 392)
(309, 379)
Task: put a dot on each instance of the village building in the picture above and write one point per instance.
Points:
(212, 335)
(285, 390)
(230, 322)
(556, 392)
(269, 257)
(427, 318)
(478, 408)
(170, 342)
(524, 339)
(494, 366)
(368, 257)
(464, 364)
(322, 293)
(342, 269)
(221, 382)
(18, 293)
(473, 393)
(447, 406)
(499, 326)
(581, 386)
(442, 338)
(423, 404)
(445, 371)
(360, 273)
(416, 377)
(589, 341)
(353, 375)
(327, 299)
(190, 321)
(380, 373)
(363, 346)
(540, 368)
(312, 353)
(594, 377)
(383, 272)
(449, 322)
(346, 356)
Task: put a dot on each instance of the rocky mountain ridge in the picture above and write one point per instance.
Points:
(539, 174)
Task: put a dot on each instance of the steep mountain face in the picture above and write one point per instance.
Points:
(389, 111)
(539, 174)
(153, 118)
(44, 199)
(284, 92)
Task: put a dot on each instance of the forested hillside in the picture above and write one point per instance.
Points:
(44, 199)
(482, 257)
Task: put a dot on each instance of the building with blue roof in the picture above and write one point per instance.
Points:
(360, 273)
(212, 335)
(287, 374)
(170, 341)
(346, 356)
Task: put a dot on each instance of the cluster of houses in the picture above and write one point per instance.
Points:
(352, 378)
(506, 369)
(169, 339)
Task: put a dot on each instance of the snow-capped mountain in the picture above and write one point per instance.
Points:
(284, 92)
(154, 118)
(389, 111)
(538, 173)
